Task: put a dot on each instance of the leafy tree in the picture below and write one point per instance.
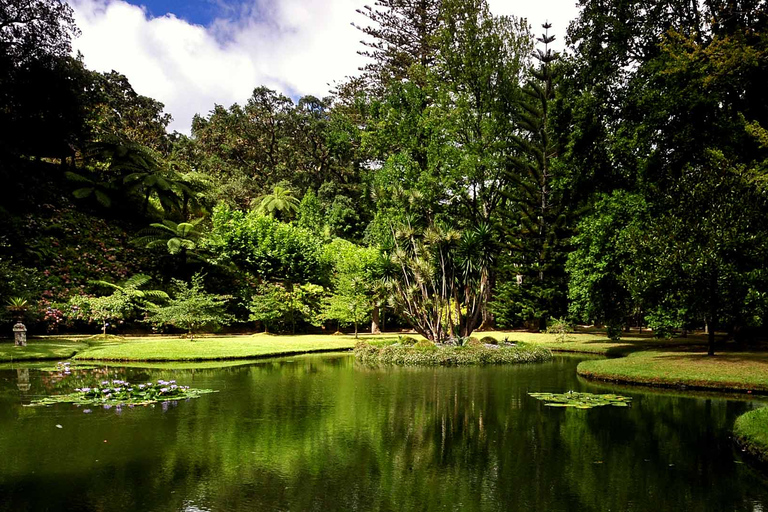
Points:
(35, 29)
(276, 305)
(357, 273)
(604, 279)
(310, 213)
(191, 308)
(265, 248)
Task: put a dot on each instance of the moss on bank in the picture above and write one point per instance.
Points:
(751, 433)
(423, 354)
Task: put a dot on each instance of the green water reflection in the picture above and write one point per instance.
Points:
(323, 433)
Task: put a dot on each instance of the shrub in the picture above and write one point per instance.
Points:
(474, 342)
(425, 344)
(406, 340)
(489, 340)
(425, 353)
(560, 328)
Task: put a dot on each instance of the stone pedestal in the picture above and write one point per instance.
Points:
(20, 335)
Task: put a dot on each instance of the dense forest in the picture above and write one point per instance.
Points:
(469, 177)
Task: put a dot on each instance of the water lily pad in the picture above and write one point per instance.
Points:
(120, 392)
(582, 400)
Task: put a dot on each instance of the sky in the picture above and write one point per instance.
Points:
(194, 54)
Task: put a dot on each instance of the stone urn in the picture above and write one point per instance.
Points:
(20, 334)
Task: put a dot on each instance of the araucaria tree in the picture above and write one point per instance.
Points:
(535, 209)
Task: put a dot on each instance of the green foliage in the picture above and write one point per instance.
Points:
(604, 286)
(191, 308)
(356, 279)
(560, 327)
(126, 302)
(282, 307)
(265, 247)
(438, 278)
(310, 213)
(406, 340)
(178, 238)
(430, 354)
(280, 204)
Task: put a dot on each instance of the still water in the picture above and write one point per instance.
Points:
(325, 433)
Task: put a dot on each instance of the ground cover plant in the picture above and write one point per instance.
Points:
(425, 353)
(117, 393)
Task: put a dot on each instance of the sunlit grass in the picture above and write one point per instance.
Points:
(36, 350)
(751, 432)
(212, 348)
(690, 367)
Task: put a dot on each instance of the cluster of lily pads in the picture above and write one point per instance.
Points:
(120, 392)
(582, 400)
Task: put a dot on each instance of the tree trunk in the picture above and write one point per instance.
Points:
(104, 329)
(375, 329)
(355, 329)
(712, 319)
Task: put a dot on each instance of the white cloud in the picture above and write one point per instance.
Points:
(295, 46)
(559, 13)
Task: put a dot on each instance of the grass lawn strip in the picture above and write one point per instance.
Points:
(727, 371)
(49, 349)
(751, 433)
(213, 348)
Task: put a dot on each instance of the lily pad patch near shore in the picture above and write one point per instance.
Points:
(582, 400)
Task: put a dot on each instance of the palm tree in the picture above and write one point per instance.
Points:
(280, 203)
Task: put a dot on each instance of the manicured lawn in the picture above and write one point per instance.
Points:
(40, 349)
(751, 431)
(689, 367)
(212, 348)
(591, 343)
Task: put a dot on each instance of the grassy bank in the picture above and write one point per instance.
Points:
(432, 355)
(40, 350)
(689, 366)
(211, 348)
(751, 433)
(591, 343)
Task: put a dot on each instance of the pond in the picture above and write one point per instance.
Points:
(322, 432)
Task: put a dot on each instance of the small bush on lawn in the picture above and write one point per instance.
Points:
(489, 340)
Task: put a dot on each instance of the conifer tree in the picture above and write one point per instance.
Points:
(535, 213)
